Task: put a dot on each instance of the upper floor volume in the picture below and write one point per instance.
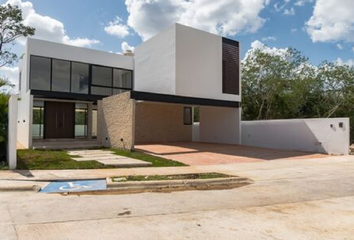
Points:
(179, 61)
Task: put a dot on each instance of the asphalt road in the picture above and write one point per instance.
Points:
(289, 200)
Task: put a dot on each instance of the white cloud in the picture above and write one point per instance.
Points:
(264, 48)
(349, 62)
(293, 30)
(115, 28)
(125, 46)
(48, 28)
(332, 21)
(339, 46)
(11, 73)
(289, 11)
(227, 17)
(300, 3)
(270, 38)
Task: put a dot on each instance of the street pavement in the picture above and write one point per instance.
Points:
(290, 199)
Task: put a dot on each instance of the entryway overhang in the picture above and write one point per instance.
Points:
(166, 98)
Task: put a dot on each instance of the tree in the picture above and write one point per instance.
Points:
(271, 81)
(282, 85)
(11, 28)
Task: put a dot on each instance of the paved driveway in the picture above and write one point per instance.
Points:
(193, 154)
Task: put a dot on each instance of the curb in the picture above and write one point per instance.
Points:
(26, 188)
(168, 186)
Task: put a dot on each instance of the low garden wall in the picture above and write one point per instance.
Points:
(322, 135)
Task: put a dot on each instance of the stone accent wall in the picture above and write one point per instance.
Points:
(116, 121)
(156, 122)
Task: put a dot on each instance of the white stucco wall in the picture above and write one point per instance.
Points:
(220, 125)
(199, 64)
(12, 132)
(310, 135)
(181, 61)
(155, 64)
(24, 120)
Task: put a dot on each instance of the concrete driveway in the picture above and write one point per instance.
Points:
(193, 153)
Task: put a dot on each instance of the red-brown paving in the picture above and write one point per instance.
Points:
(192, 153)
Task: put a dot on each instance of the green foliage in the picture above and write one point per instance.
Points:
(284, 85)
(11, 28)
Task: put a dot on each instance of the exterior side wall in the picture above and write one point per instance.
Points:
(155, 64)
(220, 125)
(24, 117)
(116, 121)
(310, 135)
(24, 123)
(160, 123)
(199, 64)
(12, 132)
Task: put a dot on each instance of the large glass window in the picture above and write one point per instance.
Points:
(103, 91)
(57, 75)
(79, 78)
(60, 76)
(102, 76)
(40, 73)
(38, 119)
(94, 121)
(80, 120)
(122, 78)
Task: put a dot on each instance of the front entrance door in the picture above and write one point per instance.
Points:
(59, 120)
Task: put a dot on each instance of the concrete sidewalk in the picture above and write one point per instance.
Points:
(255, 171)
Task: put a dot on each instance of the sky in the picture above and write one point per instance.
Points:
(320, 29)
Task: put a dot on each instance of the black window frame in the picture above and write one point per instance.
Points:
(90, 84)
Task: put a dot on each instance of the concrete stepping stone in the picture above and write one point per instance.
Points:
(99, 158)
(125, 162)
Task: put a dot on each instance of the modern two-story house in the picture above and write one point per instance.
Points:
(70, 94)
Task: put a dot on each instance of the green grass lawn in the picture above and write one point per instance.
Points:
(59, 159)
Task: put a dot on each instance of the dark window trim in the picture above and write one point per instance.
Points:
(190, 120)
(157, 97)
(89, 80)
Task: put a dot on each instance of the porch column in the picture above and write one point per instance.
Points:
(89, 121)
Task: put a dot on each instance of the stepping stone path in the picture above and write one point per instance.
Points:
(107, 158)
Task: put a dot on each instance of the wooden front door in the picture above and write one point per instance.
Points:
(59, 120)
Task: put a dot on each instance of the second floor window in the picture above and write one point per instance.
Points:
(56, 75)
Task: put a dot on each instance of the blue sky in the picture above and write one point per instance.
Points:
(320, 29)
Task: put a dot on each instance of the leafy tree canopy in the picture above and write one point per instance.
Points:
(11, 28)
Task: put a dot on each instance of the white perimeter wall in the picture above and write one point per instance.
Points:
(155, 64)
(199, 64)
(12, 132)
(220, 125)
(310, 135)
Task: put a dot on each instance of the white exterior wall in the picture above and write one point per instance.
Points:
(155, 64)
(25, 103)
(310, 135)
(181, 61)
(199, 64)
(12, 132)
(220, 125)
